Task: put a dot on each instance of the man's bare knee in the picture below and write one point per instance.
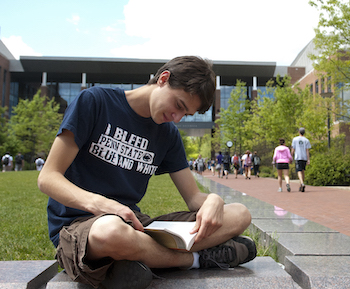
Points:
(108, 235)
(240, 217)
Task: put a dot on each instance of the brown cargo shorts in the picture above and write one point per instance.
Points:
(71, 250)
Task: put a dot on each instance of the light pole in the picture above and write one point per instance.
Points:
(229, 145)
(234, 140)
(328, 95)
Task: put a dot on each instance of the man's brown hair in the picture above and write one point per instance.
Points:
(192, 74)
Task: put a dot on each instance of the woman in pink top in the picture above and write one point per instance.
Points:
(282, 158)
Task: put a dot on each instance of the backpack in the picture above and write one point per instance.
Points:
(248, 161)
(18, 160)
(235, 160)
(256, 161)
(226, 159)
(6, 161)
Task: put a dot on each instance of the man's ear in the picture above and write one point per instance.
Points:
(164, 77)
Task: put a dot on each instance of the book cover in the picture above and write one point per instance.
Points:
(172, 234)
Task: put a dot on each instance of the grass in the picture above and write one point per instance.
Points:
(262, 248)
(24, 232)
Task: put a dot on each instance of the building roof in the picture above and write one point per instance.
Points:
(131, 70)
(15, 64)
(303, 60)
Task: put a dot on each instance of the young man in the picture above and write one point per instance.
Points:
(108, 146)
(300, 150)
(19, 162)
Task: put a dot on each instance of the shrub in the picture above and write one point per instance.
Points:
(266, 170)
(328, 168)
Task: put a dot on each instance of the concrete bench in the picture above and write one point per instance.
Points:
(315, 256)
(262, 272)
(26, 274)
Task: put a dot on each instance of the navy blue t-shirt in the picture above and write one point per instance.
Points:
(118, 152)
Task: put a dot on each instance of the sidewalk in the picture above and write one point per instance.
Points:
(328, 206)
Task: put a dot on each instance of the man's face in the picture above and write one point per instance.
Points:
(167, 104)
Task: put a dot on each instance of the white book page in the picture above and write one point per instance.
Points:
(181, 229)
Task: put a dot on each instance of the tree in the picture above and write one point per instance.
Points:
(205, 146)
(34, 124)
(281, 116)
(332, 40)
(232, 120)
(258, 124)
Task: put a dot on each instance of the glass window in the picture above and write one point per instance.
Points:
(329, 84)
(322, 85)
(115, 85)
(344, 98)
(68, 91)
(263, 91)
(13, 95)
(225, 94)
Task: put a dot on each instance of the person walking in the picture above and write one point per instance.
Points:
(256, 164)
(219, 165)
(227, 163)
(212, 167)
(235, 161)
(39, 163)
(190, 163)
(7, 162)
(200, 164)
(282, 158)
(247, 164)
(19, 162)
(241, 170)
(300, 149)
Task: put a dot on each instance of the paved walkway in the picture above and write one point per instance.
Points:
(328, 206)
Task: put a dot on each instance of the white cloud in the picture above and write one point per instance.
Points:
(251, 30)
(74, 19)
(108, 29)
(18, 48)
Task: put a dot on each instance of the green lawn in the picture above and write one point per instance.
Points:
(23, 231)
(23, 219)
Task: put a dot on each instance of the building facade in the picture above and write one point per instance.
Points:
(318, 83)
(62, 78)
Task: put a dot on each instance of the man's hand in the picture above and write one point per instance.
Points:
(128, 215)
(104, 205)
(209, 217)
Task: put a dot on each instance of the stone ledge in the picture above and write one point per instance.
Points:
(309, 251)
(319, 272)
(310, 244)
(26, 274)
(262, 272)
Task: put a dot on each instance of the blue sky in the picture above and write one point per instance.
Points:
(235, 30)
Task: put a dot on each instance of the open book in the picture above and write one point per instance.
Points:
(172, 234)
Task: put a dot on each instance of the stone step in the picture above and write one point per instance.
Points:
(262, 272)
(319, 272)
(27, 274)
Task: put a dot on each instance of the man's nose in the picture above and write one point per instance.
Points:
(177, 117)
